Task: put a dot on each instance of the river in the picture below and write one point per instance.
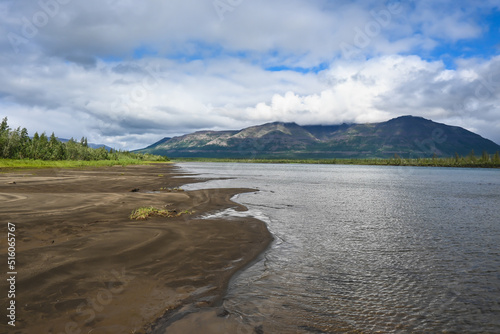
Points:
(367, 248)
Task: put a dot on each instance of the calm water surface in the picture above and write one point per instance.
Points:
(368, 248)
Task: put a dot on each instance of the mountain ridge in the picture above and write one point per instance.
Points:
(406, 136)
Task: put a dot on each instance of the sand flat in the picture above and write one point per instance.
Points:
(85, 267)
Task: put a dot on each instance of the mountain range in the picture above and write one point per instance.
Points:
(406, 136)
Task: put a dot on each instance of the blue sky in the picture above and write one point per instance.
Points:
(485, 45)
(128, 73)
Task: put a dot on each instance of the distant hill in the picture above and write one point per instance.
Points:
(89, 144)
(406, 136)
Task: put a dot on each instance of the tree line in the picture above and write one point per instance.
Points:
(471, 160)
(17, 144)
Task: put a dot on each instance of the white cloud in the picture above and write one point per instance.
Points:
(164, 98)
(390, 86)
(77, 74)
(298, 32)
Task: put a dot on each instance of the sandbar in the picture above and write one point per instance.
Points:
(85, 267)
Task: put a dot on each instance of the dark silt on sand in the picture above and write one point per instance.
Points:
(85, 267)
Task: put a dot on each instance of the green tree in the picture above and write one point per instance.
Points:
(100, 154)
(71, 150)
(43, 147)
(4, 127)
(25, 143)
(485, 157)
(4, 137)
(53, 140)
(496, 158)
(434, 158)
(33, 150)
(13, 146)
(56, 148)
(472, 156)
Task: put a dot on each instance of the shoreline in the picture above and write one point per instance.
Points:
(422, 162)
(84, 265)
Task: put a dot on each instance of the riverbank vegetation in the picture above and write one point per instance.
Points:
(18, 150)
(144, 213)
(470, 161)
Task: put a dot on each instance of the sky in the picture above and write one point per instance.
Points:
(127, 73)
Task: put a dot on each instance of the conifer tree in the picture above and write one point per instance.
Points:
(43, 147)
(25, 142)
(472, 156)
(4, 137)
(496, 158)
(485, 157)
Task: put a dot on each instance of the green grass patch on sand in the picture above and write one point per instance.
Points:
(28, 163)
(144, 213)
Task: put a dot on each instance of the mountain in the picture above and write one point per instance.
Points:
(407, 136)
(152, 146)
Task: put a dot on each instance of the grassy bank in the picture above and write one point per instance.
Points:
(31, 164)
(463, 162)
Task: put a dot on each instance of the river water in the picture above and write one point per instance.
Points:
(367, 248)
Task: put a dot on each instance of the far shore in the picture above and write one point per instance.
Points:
(85, 267)
(467, 162)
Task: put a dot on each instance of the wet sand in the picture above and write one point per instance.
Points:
(85, 267)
